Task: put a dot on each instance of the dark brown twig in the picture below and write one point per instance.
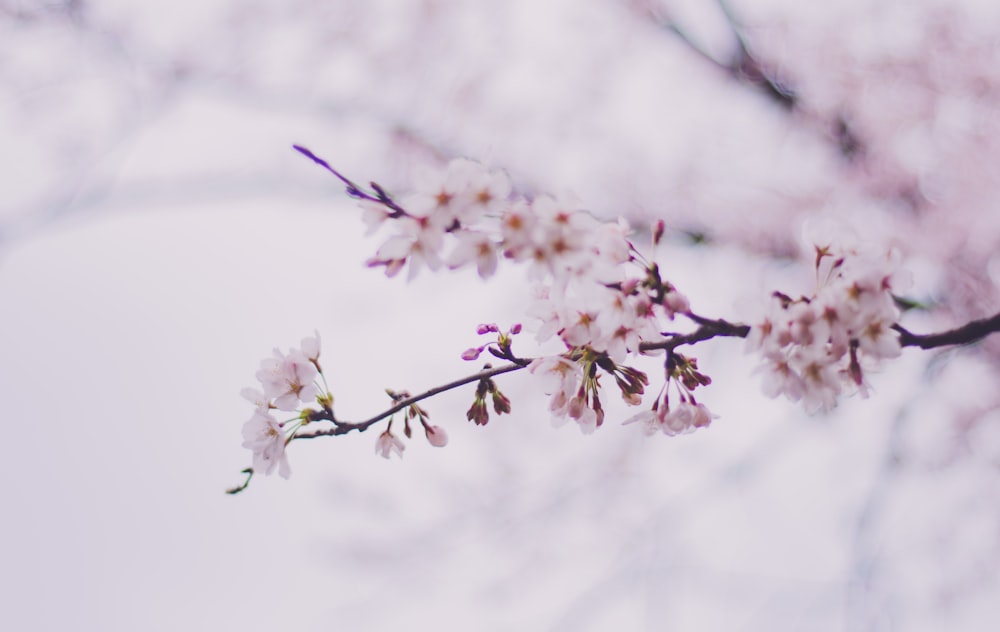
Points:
(343, 427)
(966, 334)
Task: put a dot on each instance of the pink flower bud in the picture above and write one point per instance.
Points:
(658, 229)
(472, 354)
(487, 328)
(516, 329)
(436, 436)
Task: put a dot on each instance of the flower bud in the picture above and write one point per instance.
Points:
(472, 354)
(500, 403)
(436, 436)
(658, 229)
(477, 413)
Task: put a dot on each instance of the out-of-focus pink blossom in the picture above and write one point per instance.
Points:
(388, 444)
(812, 347)
(472, 354)
(436, 436)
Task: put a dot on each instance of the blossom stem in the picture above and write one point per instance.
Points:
(343, 427)
(235, 490)
(707, 330)
(353, 189)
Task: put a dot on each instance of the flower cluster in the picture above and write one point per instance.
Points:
(287, 379)
(814, 347)
(389, 444)
(600, 298)
(686, 414)
(289, 383)
(593, 291)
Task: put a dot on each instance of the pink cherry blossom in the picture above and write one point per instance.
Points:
(288, 379)
(560, 378)
(436, 436)
(387, 444)
(474, 246)
(265, 437)
(311, 347)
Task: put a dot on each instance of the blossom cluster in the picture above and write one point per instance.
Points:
(592, 291)
(597, 295)
(288, 382)
(686, 414)
(814, 348)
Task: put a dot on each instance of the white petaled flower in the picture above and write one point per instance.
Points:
(821, 380)
(683, 418)
(474, 246)
(701, 416)
(560, 378)
(387, 444)
(561, 242)
(489, 190)
(815, 347)
(677, 420)
(648, 419)
(686, 417)
(288, 379)
(581, 328)
(374, 214)
(781, 379)
(261, 402)
(771, 334)
(619, 343)
(265, 437)
(546, 310)
(833, 323)
(441, 193)
(583, 415)
(419, 242)
(879, 340)
(801, 320)
(311, 347)
(517, 226)
(436, 436)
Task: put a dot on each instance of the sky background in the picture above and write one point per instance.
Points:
(158, 237)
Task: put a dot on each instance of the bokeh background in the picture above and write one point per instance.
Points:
(158, 236)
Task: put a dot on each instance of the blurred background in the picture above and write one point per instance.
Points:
(158, 236)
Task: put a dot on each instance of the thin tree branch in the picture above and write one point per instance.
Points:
(353, 190)
(343, 427)
(707, 329)
(966, 334)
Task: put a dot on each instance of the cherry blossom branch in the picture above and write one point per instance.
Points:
(708, 329)
(967, 333)
(343, 427)
(353, 190)
(812, 348)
